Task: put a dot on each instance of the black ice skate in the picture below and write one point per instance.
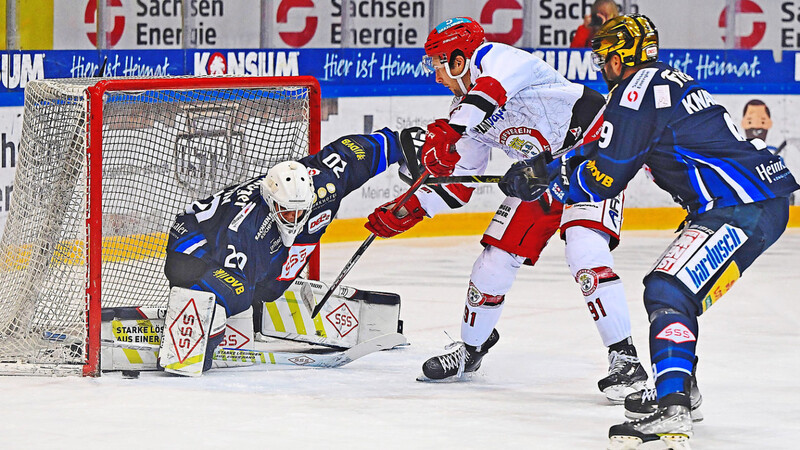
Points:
(643, 403)
(670, 423)
(461, 359)
(625, 375)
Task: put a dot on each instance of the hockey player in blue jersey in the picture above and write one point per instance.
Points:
(735, 193)
(248, 242)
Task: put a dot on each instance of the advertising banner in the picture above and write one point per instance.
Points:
(380, 71)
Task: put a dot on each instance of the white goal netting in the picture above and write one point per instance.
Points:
(145, 149)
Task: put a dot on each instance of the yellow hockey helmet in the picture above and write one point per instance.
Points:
(633, 37)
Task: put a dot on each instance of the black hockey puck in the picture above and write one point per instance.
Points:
(130, 374)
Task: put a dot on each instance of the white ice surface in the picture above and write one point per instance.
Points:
(536, 389)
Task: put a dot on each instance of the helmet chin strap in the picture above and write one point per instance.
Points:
(611, 82)
(459, 77)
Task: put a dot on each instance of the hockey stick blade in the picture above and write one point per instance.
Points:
(363, 248)
(489, 179)
(330, 359)
(307, 296)
(258, 357)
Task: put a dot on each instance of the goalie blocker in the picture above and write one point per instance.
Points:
(350, 317)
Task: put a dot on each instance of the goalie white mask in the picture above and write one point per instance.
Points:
(289, 192)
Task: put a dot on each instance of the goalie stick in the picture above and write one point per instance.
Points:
(363, 248)
(265, 358)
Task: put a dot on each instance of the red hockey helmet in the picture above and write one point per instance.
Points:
(458, 33)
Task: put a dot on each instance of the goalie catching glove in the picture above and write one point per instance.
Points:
(385, 222)
(436, 151)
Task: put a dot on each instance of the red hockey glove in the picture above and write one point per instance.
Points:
(436, 155)
(382, 222)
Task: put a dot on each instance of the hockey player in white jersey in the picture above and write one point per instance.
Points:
(510, 99)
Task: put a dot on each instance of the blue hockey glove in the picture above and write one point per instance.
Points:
(527, 180)
(561, 170)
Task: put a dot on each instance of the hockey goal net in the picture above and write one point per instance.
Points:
(103, 168)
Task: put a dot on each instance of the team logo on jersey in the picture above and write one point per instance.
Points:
(634, 92)
(477, 298)
(319, 221)
(526, 141)
(474, 296)
(587, 279)
(677, 333)
(313, 172)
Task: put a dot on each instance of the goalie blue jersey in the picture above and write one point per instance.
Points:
(232, 232)
(662, 118)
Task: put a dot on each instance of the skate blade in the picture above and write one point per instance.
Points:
(616, 394)
(671, 441)
(676, 441)
(697, 415)
(623, 443)
(464, 377)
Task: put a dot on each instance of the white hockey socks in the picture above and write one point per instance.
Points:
(590, 262)
(187, 328)
(492, 276)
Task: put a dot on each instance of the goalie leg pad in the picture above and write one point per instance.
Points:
(187, 328)
(350, 316)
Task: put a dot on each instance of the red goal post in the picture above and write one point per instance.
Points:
(104, 166)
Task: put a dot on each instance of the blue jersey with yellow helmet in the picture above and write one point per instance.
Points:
(662, 118)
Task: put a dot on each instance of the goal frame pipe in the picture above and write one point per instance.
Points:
(94, 165)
